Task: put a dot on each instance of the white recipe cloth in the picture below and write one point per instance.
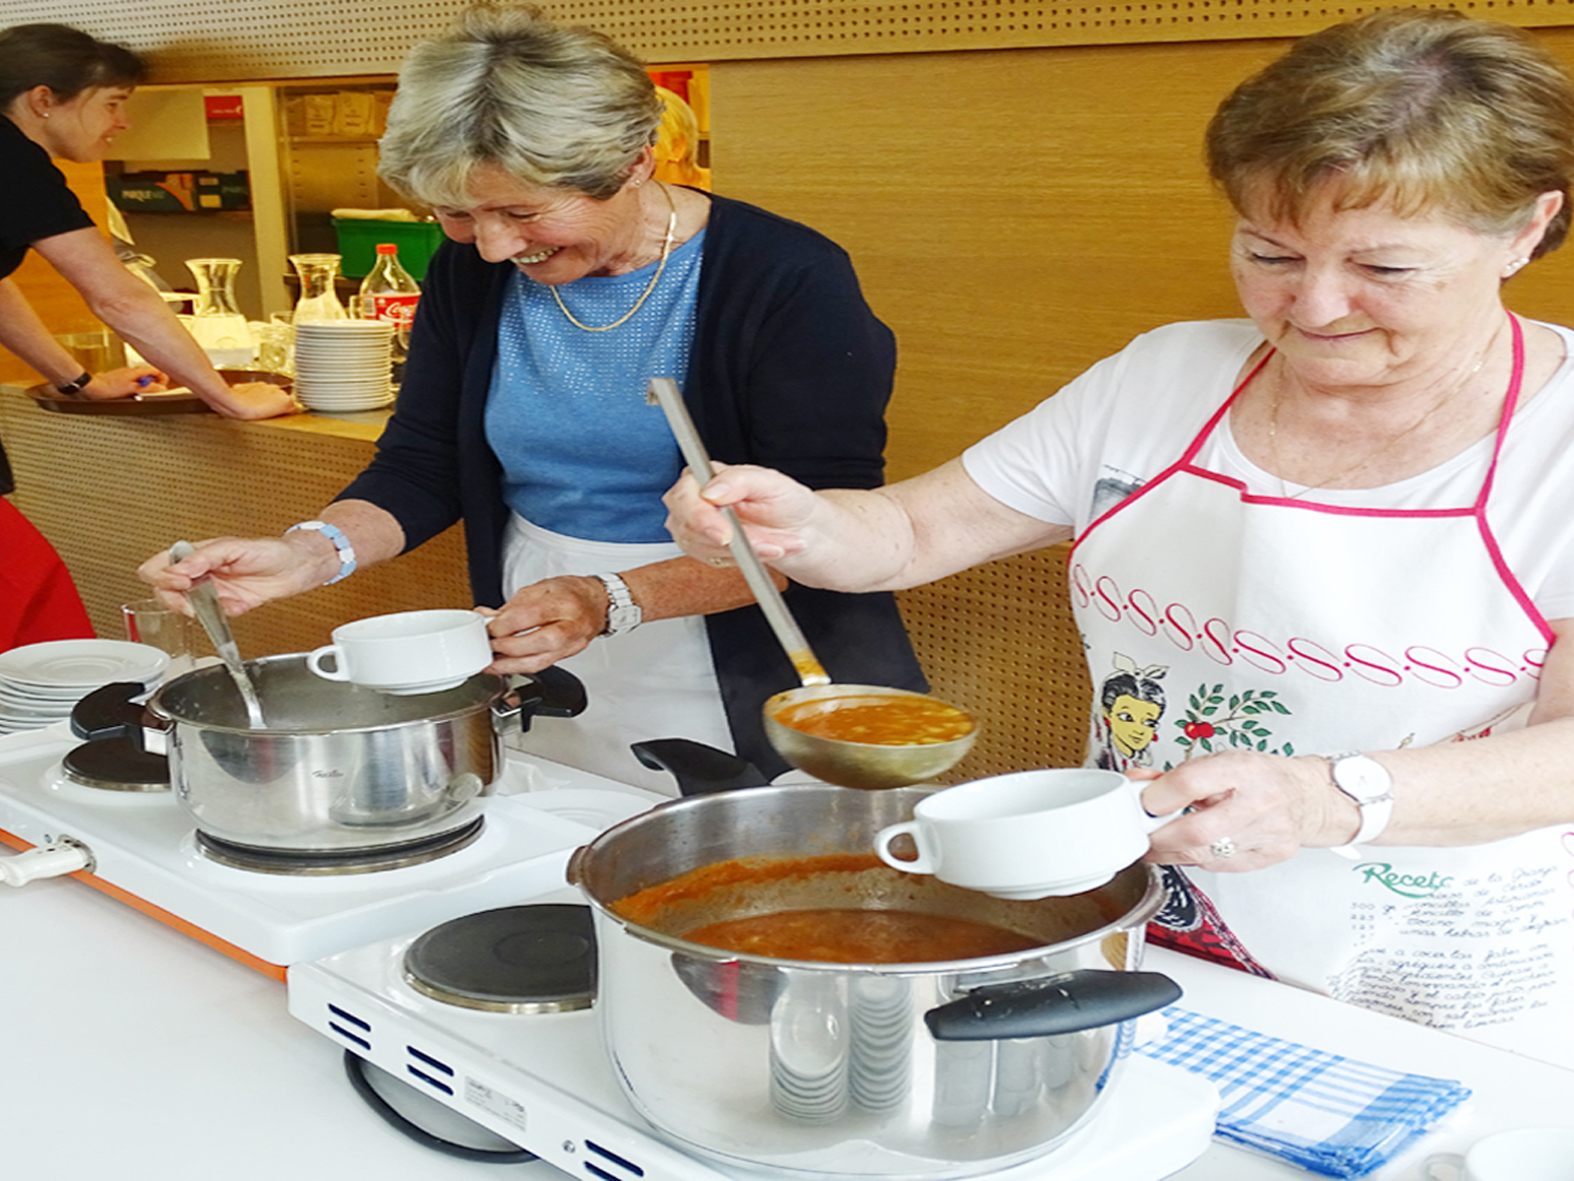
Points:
(1324, 1112)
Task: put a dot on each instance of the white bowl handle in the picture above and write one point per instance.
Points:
(923, 863)
(314, 662)
(1451, 1164)
(1149, 821)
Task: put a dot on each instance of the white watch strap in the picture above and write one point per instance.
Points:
(1370, 785)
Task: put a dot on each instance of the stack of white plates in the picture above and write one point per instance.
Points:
(39, 683)
(344, 364)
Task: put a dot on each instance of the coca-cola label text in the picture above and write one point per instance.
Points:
(396, 309)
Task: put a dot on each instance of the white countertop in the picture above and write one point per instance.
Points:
(129, 1051)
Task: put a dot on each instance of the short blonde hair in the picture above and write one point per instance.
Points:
(1419, 109)
(677, 146)
(554, 106)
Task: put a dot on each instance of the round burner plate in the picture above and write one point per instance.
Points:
(320, 863)
(539, 958)
(116, 764)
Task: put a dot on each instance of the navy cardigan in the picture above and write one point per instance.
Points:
(789, 368)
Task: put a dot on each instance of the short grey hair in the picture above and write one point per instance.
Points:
(554, 106)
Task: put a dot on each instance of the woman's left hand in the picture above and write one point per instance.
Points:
(1247, 811)
(123, 383)
(545, 622)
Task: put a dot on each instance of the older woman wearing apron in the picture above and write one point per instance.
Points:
(1323, 556)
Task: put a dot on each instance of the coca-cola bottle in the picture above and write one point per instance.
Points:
(389, 293)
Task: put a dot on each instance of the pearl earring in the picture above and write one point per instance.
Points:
(1513, 266)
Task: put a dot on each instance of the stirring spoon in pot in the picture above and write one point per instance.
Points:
(205, 606)
(911, 756)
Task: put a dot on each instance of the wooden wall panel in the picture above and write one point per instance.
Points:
(200, 476)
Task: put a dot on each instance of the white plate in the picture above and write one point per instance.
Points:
(367, 404)
(12, 708)
(340, 398)
(15, 723)
(342, 328)
(41, 697)
(33, 694)
(82, 664)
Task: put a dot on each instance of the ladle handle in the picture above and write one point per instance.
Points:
(664, 391)
(205, 606)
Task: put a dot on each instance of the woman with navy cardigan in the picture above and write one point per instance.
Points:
(572, 277)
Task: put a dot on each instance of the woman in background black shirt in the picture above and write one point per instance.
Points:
(62, 94)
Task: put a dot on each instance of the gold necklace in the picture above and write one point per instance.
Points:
(666, 249)
(1345, 473)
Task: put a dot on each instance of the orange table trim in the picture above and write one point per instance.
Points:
(273, 971)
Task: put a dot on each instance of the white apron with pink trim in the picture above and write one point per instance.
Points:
(1291, 627)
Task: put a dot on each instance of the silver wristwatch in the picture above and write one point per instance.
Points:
(623, 613)
(1369, 784)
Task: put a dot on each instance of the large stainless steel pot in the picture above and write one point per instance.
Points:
(336, 767)
(930, 1070)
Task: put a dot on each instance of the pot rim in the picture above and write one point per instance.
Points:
(155, 706)
(1136, 918)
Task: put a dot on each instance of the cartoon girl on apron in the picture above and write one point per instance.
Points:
(1288, 626)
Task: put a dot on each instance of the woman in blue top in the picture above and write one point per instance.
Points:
(572, 278)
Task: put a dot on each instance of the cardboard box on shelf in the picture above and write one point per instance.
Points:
(353, 114)
(222, 190)
(318, 113)
(152, 192)
(381, 100)
(178, 192)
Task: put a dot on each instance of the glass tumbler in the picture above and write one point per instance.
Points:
(150, 622)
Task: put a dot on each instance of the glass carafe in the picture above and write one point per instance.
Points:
(217, 322)
(318, 301)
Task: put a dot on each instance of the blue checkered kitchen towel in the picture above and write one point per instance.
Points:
(1324, 1112)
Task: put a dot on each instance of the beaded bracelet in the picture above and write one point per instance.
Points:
(341, 544)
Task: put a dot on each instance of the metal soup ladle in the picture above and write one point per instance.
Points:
(206, 607)
(838, 761)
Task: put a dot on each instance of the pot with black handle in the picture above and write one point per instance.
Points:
(338, 768)
(927, 1070)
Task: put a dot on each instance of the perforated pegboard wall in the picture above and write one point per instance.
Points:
(1000, 641)
(198, 40)
(196, 476)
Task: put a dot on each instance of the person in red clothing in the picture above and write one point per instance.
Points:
(38, 599)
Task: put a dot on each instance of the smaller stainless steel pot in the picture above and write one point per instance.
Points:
(337, 768)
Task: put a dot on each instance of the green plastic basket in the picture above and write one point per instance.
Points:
(359, 237)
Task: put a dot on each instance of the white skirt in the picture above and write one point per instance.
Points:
(658, 681)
